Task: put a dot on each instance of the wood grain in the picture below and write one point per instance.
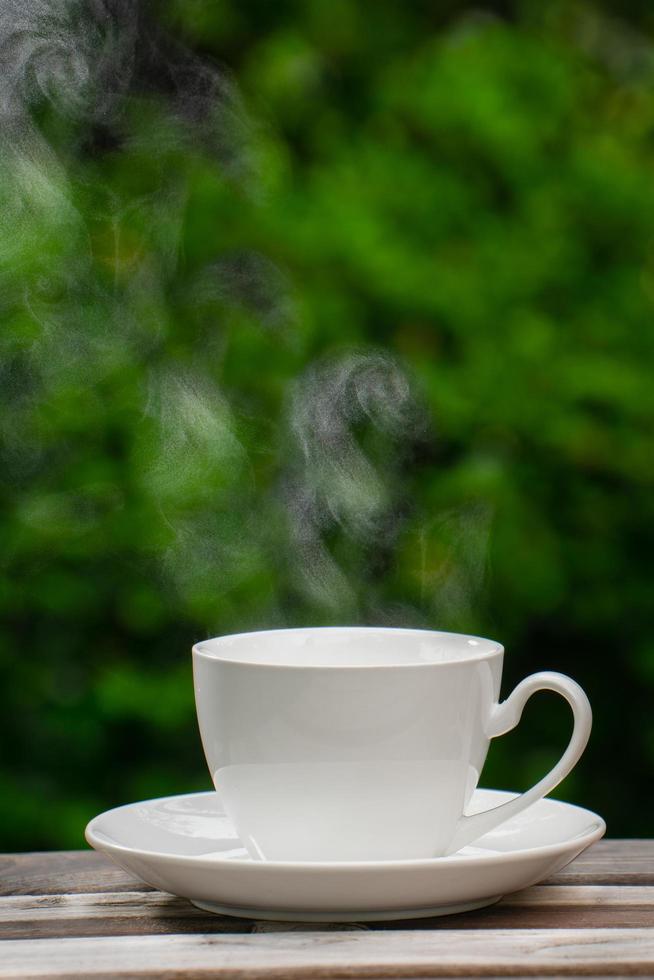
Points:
(557, 907)
(352, 954)
(138, 913)
(54, 872)
(74, 914)
(611, 862)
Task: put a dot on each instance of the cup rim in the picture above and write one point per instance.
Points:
(488, 649)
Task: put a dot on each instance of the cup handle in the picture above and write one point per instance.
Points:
(503, 718)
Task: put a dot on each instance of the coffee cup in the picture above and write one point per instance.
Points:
(362, 743)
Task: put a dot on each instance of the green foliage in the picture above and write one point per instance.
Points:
(376, 349)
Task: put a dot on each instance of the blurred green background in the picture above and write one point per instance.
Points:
(320, 312)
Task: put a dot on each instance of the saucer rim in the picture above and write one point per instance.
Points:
(595, 831)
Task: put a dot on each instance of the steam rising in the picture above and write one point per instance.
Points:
(92, 281)
(195, 430)
(336, 483)
(79, 57)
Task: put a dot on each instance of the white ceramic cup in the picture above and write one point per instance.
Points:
(361, 744)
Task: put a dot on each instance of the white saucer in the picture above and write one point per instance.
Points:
(186, 845)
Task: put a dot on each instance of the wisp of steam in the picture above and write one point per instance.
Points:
(92, 281)
(335, 483)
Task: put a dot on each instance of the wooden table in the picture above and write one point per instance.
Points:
(74, 913)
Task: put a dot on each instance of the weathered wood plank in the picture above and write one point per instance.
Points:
(593, 896)
(559, 907)
(139, 913)
(609, 862)
(56, 872)
(108, 914)
(125, 913)
(342, 954)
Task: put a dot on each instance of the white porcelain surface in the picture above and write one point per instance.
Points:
(323, 742)
(188, 846)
